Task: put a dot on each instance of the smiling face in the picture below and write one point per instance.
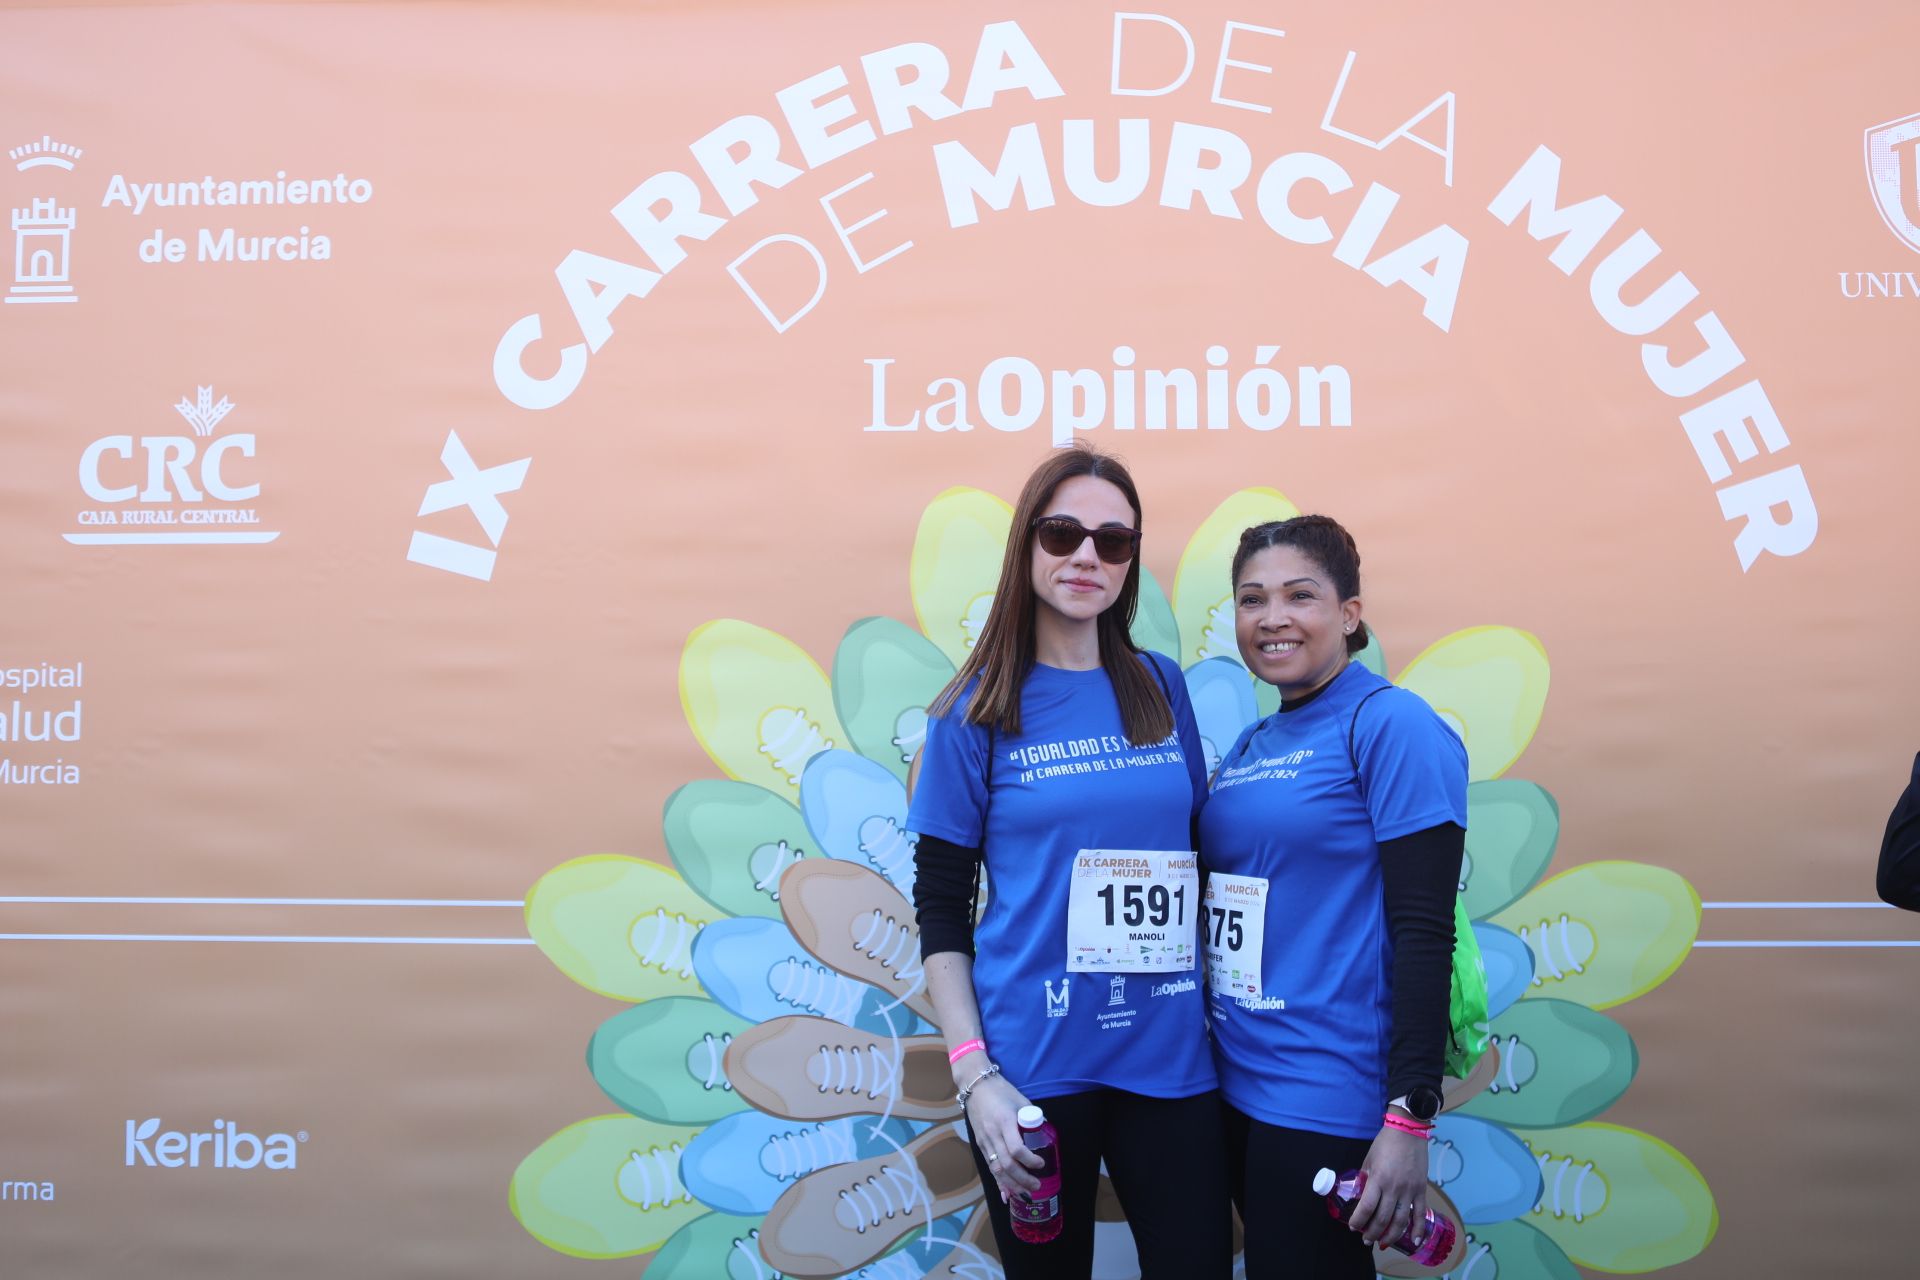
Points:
(1290, 621)
(1079, 586)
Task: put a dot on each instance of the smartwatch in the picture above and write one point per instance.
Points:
(1422, 1103)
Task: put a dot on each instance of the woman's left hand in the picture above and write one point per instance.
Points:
(1396, 1190)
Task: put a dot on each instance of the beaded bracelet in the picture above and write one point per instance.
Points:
(1418, 1128)
(993, 1069)
(965, 1049)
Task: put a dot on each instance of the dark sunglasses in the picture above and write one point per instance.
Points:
(1062, 536)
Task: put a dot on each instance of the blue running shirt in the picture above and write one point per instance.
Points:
(1069, 781)
(1310, 1052)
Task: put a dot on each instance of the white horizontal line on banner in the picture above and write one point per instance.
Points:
(515, 903)
(1903, 942)
(1798, 906)
(164, 539)
(263, 937)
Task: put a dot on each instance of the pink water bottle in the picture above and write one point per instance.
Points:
(1036, 1218)
(1343, 1193)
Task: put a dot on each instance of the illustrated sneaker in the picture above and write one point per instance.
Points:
(606, 1187)
(759, 970)
(1486, 1171)
(757, 702)
(665, 1059)
(732, 841)
(619, 926)
(1606, 932)
(1617, 1199)
(1221, 692)
(815, 1069)
(842, 1218)
(975, 1254)
(956, 562)
(857, 811)
(1507, 963)
(884, 675)
(1455, 1094)
(742, 1163)
(717, 1246)
(1512, 828)
(858, 924)
(1559, 1063)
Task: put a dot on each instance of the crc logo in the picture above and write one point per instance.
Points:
(225, 1146)
(1893, 173)
(169, 488)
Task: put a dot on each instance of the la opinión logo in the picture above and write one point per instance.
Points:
(225, 1146)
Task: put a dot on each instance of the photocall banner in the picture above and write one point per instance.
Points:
(490, 488)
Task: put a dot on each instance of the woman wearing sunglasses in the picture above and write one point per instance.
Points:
(1069, 762)
(1333, 840)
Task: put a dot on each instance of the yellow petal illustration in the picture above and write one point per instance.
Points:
(956, 566)
(1490, 684)
(1202, 596)
(757, 703)
(619, 926)
(607, 1187)
(1605, 932)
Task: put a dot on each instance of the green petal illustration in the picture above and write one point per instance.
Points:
(1512, 827)
(1490, 684)
(1605, 932)
(731, 840)
(757, 703)
(619, 926)
(956, 566)
(1560, 1063)
(1372, 656)
(1202, 595)
(663, 1060)
(1510, 1251)
(1616, 1199)
(884, 675)
(1153, 624)
(606, 1187)
(718, 1246)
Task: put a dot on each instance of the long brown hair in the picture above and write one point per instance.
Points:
(1004, 653)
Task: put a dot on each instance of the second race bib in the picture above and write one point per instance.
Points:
(1234, 922)
(1132, 911)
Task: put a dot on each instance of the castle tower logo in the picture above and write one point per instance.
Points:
(1893, 173)
(43, 230)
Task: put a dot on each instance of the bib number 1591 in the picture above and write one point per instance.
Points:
(1140, 904)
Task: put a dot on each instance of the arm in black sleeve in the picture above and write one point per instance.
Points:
(1899, 877)
(945, 880)
(1419, 876)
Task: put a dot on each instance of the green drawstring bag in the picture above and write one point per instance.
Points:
(1468, 1026)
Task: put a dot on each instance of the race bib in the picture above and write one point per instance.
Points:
(1234, 924)
(1132, 911)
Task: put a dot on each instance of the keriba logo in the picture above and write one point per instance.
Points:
(225, 1146)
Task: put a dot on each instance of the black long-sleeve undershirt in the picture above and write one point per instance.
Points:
(1898, 879)
(1419, 875)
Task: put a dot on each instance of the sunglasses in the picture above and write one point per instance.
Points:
(1062, 536)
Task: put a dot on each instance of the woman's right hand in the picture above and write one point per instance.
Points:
(993, 1111)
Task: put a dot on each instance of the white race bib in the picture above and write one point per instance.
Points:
(1132, 911)
(1234, 926)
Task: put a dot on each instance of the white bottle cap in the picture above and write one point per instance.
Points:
(1323, 1181)
(1031, 1117)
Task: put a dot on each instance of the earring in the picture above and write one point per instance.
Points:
(1349, 628)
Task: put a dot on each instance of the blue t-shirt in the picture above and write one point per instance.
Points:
(1311, 1051)
(1069, 781)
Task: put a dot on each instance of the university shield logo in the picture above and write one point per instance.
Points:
(1893, 171)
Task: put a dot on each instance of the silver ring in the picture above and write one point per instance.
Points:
(993, 1157)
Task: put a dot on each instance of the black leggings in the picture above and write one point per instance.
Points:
(1290, 1235)
(1167, 1161)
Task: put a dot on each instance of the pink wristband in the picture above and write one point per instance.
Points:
(966, 1049)
(1415, 1127)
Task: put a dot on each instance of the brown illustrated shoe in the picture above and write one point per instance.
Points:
(857, 924)
(841, 1218)
(807, 1068)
